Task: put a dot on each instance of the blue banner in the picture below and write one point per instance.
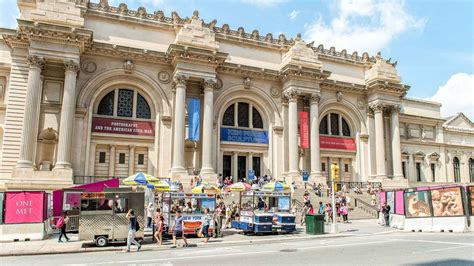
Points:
(244, 135)
(251, 175)
(194, 110)
(305, 176)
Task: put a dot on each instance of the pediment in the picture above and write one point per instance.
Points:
(459, 121)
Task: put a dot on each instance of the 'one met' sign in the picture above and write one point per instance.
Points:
(24, 207)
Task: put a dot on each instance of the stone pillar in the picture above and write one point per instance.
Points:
(235, 165)
(68, 111)
(315, 150)
(371, 143)
(379, 141)
(396, 149)
(293, 155)
(30, 124)
(284, 107)
(92, 154)
(208, 123)
(131, 161)
(179, 126)
(112, 160)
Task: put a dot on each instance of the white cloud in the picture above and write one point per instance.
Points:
(293, 14)
(364, 25)
(457, 95)
(264, 3)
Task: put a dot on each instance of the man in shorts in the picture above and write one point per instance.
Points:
(178, 229)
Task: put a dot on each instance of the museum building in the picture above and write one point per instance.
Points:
(90, 91)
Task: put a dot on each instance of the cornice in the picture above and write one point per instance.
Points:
(341, 85)
(385, 86)
(180, 52)
(119, 51)
(248, 71)
(295, 71)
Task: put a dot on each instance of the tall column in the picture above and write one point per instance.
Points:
(284, 107)
(315, 151)
(179, 126)
(396, 149)
(112, 160)
(379, 141)
(235, 164)
(30, 124)
(208, 123)
(68, 110)
(292, 96)
(131, 161)
(371, 144)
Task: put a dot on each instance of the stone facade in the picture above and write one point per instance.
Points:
(92, 90)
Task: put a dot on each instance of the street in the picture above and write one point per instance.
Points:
(391, 248)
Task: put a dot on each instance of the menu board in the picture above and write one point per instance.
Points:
(447, 202)
(417, 204)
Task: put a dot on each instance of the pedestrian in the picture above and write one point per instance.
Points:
(321, 208)
(228, 214)
(62, 224)
(344, 212)
(159, 223)
(310, 209)
(373, 200)
(218, 216)
(386, 213)
(133, 227)
(206, 221)
(329, 213)
(261, 204)
(178, 229)
(149, 215)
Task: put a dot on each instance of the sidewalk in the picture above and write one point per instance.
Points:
(231, 237)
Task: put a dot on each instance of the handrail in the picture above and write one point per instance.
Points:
(366, 206)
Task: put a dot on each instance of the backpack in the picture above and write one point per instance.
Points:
(60, 222)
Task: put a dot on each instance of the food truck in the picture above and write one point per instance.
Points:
(265, 212)
(192, 206)
(103, 215)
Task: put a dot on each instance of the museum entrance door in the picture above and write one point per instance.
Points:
(241, 168)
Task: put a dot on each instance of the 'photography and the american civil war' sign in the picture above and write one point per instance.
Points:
(123, 127)
(244, 135)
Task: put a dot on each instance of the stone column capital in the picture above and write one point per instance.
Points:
(377, 107)
(180, 79)
(291, 95)
(36, 61)
(395, 109)
(315, 98)
(71, 66)
(209, 84)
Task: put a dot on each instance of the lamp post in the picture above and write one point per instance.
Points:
(334, 175)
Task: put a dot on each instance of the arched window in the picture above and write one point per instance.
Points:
(471, 169)
(334, 124)
(457, 176)
(124, 104)
(247, 116)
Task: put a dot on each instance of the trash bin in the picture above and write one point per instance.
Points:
(315, 224)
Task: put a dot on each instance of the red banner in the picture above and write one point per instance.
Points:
(304, 131)
(123, 127)
(24, 207)
(337, 143)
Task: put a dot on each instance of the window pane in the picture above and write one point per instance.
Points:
(256, 119)
(101, 157)
(346, 168)
(335, 124)
(106, 105)
(323, 126)
(418, 172)
(122, 158)
(228, 119)
(345, 128)
(243, 115)
(457, 177)
(143, 109)
(141, 159)
(433, 172)
(323, 167)
(125, 103)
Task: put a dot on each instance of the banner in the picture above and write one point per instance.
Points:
(251, 175)
(194, 110)
(304, 131)
(447, 202)
(24, 207)
(244, 135)
(417, 204)
(123, 127)
(305, 176)
(399, 203)
(337, 143)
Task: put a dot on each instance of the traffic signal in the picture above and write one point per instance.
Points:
(334, 171)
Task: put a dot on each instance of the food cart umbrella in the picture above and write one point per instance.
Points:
(140, 179)
(207, 188)
(240, 186)
(276, 186)
(163, 185)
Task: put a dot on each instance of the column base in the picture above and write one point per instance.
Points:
(398, 177)
(293, 176)
(24, 164)
(62, 165)
(29, 179)
(179, 174)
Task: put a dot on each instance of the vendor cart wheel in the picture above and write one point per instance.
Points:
(101, 241)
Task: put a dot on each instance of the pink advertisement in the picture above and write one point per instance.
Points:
(24, 207)
(399, 203)
(382, 199)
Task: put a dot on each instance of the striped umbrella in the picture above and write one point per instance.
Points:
(239, 186)
(140, 179)
(207, 188)
(276, 186)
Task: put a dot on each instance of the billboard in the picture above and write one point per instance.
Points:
(337, 143)
(24, 207)
(417, 204)
(304, 131)
(399, 203)
(447, 202)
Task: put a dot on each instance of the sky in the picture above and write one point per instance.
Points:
(432, 40)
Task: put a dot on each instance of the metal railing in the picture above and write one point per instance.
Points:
(351, 185)
(372, 210)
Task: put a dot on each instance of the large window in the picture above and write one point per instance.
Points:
(457, 174)
(418, 172)
(247, 116)
(124, 103)
(335, 125)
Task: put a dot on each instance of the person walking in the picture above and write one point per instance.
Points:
(178, 229)
(329, 213)
(61, 224)
(386, 213)
(206, 221)
(321, 208)
(133, 227)
(149, 215)
(344, 212)
(159, 223)
(218, 216)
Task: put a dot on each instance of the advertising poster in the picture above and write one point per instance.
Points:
(417, 204)
(2, 196)
(283, 204)
(382, 199)
(399, 203)
(24, 207)
(391, 201)
(471, 199)
(447, 202)
(208, 203)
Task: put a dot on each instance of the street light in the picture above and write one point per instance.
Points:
(334, 175)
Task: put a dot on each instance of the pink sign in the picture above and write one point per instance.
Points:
(304, 131)
(399, 202)
(382, 199)
(24, 207)
(123, 127)
(337, 143)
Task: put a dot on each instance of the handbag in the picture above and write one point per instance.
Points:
(199, 232)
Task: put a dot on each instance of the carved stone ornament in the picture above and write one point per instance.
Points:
(209, 84)
(71, 66)
(219, 84)
(180, 79)
(275, 92)
(395, 108)
(247, 83)
(291, 95)
(360, 104)
(89, 67)
(315, 98)
(164, 77)
(339, 96)
(36, 61)
(377, 107)
(128, 66)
